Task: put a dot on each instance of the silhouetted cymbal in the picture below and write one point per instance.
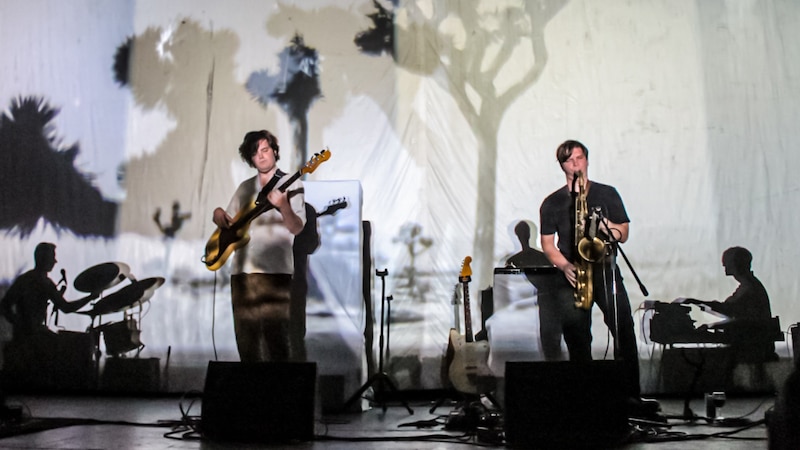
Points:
(132, 295)
(102, 276)
(150, 286)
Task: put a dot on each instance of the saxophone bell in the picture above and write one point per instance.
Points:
(590, 247)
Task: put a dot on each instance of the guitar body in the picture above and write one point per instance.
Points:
(223, 242)
(468, 368)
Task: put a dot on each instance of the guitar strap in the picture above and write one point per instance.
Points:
(269, 186)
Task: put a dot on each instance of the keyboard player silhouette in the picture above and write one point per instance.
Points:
(747, 325)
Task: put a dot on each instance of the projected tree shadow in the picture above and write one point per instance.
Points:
(410, 235)
(185, 71)
(39, 180)
(380, 38)
(472, 65)
(294, 87)
(342, 80)
(469, 64)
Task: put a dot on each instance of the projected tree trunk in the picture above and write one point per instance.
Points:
(465, 49)
(294, 87)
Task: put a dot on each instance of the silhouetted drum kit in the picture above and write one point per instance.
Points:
(123, 336)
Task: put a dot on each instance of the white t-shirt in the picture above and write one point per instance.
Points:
(270, 247)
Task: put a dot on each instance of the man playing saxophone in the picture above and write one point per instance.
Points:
(591, 278)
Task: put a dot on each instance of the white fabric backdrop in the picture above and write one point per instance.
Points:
(687, 107)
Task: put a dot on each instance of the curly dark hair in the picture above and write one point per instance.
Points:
(249, 145)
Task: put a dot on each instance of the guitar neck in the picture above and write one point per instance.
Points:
(264, 206)
(291, 180)
(467, 311)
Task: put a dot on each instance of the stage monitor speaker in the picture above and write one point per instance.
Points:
(565, 404)
(266, 402)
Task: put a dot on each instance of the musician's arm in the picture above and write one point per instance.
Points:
(713, 305)
(57, 297)
(556, 258)
(286, 202)
(619, 231)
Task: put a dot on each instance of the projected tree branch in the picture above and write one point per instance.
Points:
(466, 50)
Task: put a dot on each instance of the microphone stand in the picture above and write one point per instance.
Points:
(616, 247)
(613, 247)
(61, 289)
(380, 376)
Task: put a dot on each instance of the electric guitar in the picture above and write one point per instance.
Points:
(469, 357)
(225, 241)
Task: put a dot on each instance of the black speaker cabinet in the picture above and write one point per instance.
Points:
(259, 402)
(565, 404)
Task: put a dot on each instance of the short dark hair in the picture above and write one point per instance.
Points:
(739, 256)
(564, 151)
(249, 145)
(43, 251)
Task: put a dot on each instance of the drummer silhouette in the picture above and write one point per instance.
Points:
(34, 352)
(26, 302)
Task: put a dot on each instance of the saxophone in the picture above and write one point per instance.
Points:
(588, 250)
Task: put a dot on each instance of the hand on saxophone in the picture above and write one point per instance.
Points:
(570, 272)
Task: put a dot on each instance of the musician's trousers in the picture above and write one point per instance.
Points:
(559, 314)
(261, 316)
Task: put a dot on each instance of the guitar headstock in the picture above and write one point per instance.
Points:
(466, 270)
(333, 206)
(315, 161)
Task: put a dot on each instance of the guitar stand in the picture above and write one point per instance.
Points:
(463, 400)
(381, 378)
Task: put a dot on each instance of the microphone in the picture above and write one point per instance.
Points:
(574, 182)
(591, 229)
(63, 280)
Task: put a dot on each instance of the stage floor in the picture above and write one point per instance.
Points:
(81, 422)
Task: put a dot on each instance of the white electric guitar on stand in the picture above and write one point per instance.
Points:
(467, 357)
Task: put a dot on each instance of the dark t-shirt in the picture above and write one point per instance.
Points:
(25, 303)
(749, 301)
(557, 211)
